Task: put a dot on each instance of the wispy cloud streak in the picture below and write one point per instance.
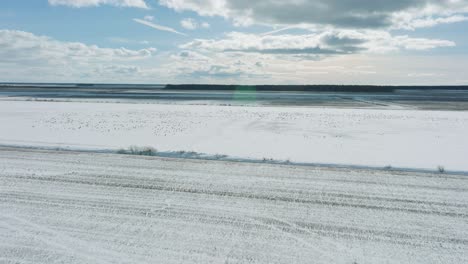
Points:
(158, 27)
(277, 31)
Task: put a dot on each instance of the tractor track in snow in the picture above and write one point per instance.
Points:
(72, 207)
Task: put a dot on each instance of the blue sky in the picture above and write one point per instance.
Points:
(227, 41)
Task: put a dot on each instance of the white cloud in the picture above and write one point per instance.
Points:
(202, 7)
(192, 24)
(201, 68)
(409, 43)
(189, 24)
(158, 27)
(117, 70)
(88, 3)
(409, 23)
(149, 18)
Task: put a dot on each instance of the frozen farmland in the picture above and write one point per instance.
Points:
(70, 207)
(231, 183)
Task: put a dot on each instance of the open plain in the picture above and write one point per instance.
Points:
(75, 207)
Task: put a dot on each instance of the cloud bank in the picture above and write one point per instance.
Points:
(305, 41)
(325, 43)
(336, 13)
(26, 54)
(312, 31)
(19, 45)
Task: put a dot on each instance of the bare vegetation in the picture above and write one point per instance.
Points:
(142, 151)
(441, 169)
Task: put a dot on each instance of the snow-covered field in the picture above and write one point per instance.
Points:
(67, 207)
(364, 137)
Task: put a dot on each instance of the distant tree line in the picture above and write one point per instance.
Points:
(309, 88)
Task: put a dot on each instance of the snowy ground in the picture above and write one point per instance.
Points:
(66, 207)
(366, 137)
